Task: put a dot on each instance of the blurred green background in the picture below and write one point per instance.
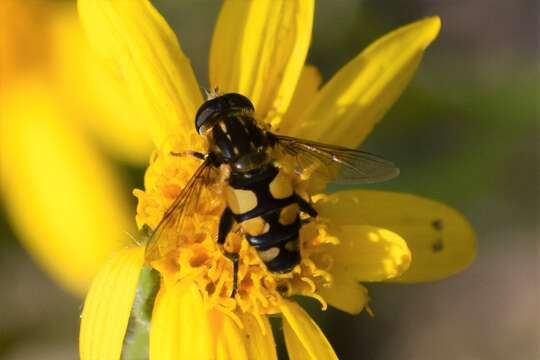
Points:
(465, 133)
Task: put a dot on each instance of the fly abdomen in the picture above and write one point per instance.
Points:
(278, 246)
(282, 257)
(267, 208)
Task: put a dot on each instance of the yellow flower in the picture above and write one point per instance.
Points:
(57, 105)
(259, 49)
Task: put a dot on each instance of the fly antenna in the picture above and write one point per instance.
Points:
(207, 93)
(211, 94)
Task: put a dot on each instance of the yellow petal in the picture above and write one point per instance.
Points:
(93, 95)
(369, 253)
(138, 45)
(356, 98)
(258, 338)
(180, 325)
(61, 56)
(345, 293)
(303, 337)
(259, 48)
(63, 200)
(440, 239)
(106, 311)
(306, 90)
(229, 338)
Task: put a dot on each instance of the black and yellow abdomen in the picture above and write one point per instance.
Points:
(266, 207)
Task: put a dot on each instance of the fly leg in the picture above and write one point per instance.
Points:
(225, 225)
(198, 155)
(195, 154)
(306, 207)
(234, 258)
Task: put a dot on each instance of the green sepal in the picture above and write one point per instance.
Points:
(136, 341)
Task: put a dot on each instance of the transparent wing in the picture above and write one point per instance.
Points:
(336, 163)
(176, 223)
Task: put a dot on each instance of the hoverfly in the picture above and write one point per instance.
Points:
(259, 197)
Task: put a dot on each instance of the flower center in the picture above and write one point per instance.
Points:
(199, 258)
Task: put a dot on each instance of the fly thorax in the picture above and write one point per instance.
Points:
(237, 140)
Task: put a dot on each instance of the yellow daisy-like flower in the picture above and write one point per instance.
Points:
(259, 49)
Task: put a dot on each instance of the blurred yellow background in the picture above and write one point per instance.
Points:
(464, 133)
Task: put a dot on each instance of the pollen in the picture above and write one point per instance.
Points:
(200, 259)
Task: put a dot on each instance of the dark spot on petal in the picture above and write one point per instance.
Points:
(437, 224)
(437, 245)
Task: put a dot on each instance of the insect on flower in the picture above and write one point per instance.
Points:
(235, 236)
(258, 195)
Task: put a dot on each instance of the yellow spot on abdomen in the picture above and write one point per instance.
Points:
(288, 214)
(269, 255)
(293, 245)
(255, 226)
(240, 201)
(281, 187)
